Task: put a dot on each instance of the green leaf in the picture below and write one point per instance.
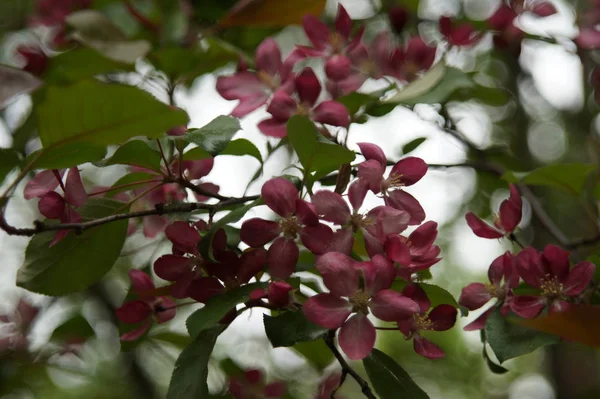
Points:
(290, 328)
(95, 30)
(215, 136)
(75, 328)
(131, 181)
(355, 101)
(316, 154)
(241, 147)
(413, 145)
(65, 156)
(189, 379)
(77, 261)
(25, 132)
(509, 340)
(103, 114)
(9, 159)
(136, 153)
(81, 63)
(195, 154)
(217, 307)
(316, 352)
(421, 86)
(568, 177)
(178, 340)
(389, 380)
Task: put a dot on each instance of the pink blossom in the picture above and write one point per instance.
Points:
(405, 172)
(341, 275)
(252, 386)
(283, 106)
(278, 294)
(254, 89)
(414, 253)
(16, 326)
(328, 386)
(458, 35)
(550, 273)
(503, 278)
(502, 21)
(149, 306)
(505, 223)
(440, 318)
(298, 218)
(36, 61)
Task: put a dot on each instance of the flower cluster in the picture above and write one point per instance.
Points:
(549, 282)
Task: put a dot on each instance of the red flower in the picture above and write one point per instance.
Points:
(509, 217)
(143, 310)
(254, 89)
(341, 274)
(252, 386)
(278, 294)
(415, 252)
(502, 21)
(549, 272)
(440, 318)
(53, 205)
(405, 172)
(283, 106)
(36, 61)
(458, 35)
(298, 218)
(503, 278)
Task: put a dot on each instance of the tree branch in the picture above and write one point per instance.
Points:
(346, 369)
(159, 209)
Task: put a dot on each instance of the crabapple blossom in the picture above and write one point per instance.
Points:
(440, 318)
(342, 276)
(458, 35)
(252, 386)
(505, 223)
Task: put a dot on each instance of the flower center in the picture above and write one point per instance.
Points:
(493, 291)
(360, 301)
(358, 221)
(422, 322)
(411, 70)
(336, 41)
(271, 82)
(395, 180)
(290, 227)
(303, 110)
(551, 287)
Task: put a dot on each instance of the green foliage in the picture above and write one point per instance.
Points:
(568, 177)
(65, 156)
(130, 182)
(509, 340)
(215, 136)
(317, 155)
(290, 328)
(74, 328)
(81, 63)
(389, 379)
(135, 153)
(217, 307)
(77, 261)
(101, 114)
(191, 368)
(241, 147)
(413, 145)
(316, 353)
(9, 160)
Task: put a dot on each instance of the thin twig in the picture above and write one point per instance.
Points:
(364, 385)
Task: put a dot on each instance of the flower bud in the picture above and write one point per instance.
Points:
(337, 67)
(398, 17)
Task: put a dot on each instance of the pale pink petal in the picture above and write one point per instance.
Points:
(327, 310)
(282, 257)
(357, 337)
(280, 195)
(41, 184)
(331, 206)
(389, 305)
(316, 238)
(426, 348)
(339, 273)
(256, 232)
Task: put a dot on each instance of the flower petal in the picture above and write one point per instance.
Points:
(397, 250)
(137, 333)
(417, 294)
(403, 201)
(133, 312)
(154, 224)
(331, 206)
(327, 310)
(339, 273)
(273, 128)
(52, 205)
(556, 260)
(371, 171)
(251, 262)
(268, 56)
(316, 239)
(389, 305)
(306, 213)
(282, 106)
(183, 236)
(474, 296)
(74, 191)
(280, 195)
(331, 113)
(357, 337)
(165, 309)
(204, 288)
(282, 257)
(243, 84)
(172, 267)
(579, 278)
(426, 348)
(410, 170)
(140, 281)
(41, 184)
(480, 228)
(443, 317)
(480, 322)
(343, 22)
(357, 192)
(379, 274)
(527, 306)
(316, 30)
(308, 87)
(256, 232)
